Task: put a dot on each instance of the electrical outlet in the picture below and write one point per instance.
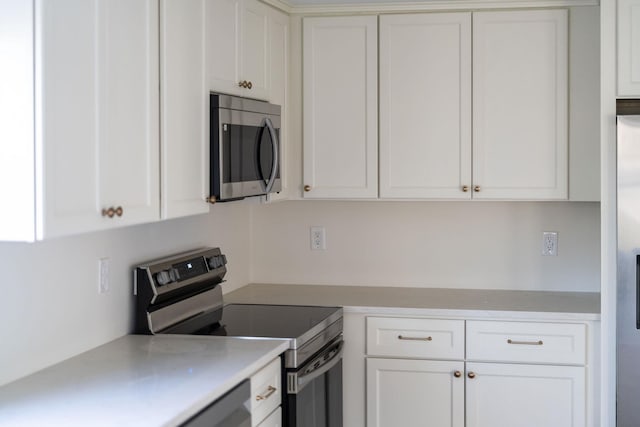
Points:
(318, 239)
(549, 243)
(103, 275)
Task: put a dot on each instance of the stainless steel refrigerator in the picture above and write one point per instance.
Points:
(628, 298)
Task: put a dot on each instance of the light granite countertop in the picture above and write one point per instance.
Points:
(428, 301)
(136, 380)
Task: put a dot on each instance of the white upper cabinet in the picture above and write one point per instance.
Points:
(628, 48)
(96, 115)
(237, 35)
(340, 107)
(184, 108)
(425, 105)
(520, 141)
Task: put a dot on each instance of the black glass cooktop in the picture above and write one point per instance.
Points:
(257, 320)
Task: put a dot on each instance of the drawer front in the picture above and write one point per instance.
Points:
(526, 342)
(266, 391)
(415, 338)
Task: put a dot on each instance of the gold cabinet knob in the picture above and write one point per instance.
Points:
(465, 188)
(307, 188)
(476, 188)
(457, 374)
(471, 375)
(249, 85)
(242, 83)
(211, 199)
(109, 212)
(119, 211)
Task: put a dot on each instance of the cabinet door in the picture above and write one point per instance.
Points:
(525, 395)
(340, 138)
(629, 48)
(425, 105)
(223, 46)
(414, 393)
(255, 47)
(184, 108)
(128, 103)
(96, 113)
(279, 90)
(520, 105)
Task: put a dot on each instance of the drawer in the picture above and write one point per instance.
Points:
(415, 338)
(526, 342)
(266, 391)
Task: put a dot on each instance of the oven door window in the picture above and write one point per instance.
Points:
(247, 153)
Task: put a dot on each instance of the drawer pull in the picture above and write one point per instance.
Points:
(510, 341)
(400, 337)
(471, 375)
(270, 391)
(457, 374)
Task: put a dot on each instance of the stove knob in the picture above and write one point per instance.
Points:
(163, 278)
(174, 274)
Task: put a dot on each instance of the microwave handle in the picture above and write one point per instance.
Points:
(275, 144)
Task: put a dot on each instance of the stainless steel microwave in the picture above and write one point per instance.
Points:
(245, 148)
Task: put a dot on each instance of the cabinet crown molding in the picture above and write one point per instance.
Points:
(295, 8)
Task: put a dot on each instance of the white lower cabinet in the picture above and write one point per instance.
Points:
(499, 394)
(266, 394)
(419, 372)
(415, 393)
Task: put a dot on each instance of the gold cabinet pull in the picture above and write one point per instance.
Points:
(249, 85)
(476, 188)
(109, 212)
(465, 188)
(119, 211)
(401, 337)
(211, 199)
(243, 84)
(307, 188)
(270, 391)
(510, 341)
(457, 374)
(471, 375)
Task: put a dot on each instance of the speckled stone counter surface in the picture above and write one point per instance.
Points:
(136, 380)
(428, 301)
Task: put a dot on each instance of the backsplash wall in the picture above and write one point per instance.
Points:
(50, 305)
(493, 245)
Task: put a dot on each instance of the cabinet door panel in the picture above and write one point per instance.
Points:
(520, 104)
(525, 395)
(223, 46)
(185, 104)
(629, 48)
(66, 121)
(425, 105)
(128, 105)
(255, 45)
(414, 393)
(340, 107)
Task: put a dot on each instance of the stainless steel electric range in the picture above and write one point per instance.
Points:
(181, 294)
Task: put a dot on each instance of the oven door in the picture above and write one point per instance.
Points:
(314, 391)
(245, 155)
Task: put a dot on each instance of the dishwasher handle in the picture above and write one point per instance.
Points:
(318, 366)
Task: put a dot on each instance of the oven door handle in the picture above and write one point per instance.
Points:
(275, 150)
(297, 382)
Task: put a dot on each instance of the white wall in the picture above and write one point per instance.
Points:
(49, 299)
(494, 245)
